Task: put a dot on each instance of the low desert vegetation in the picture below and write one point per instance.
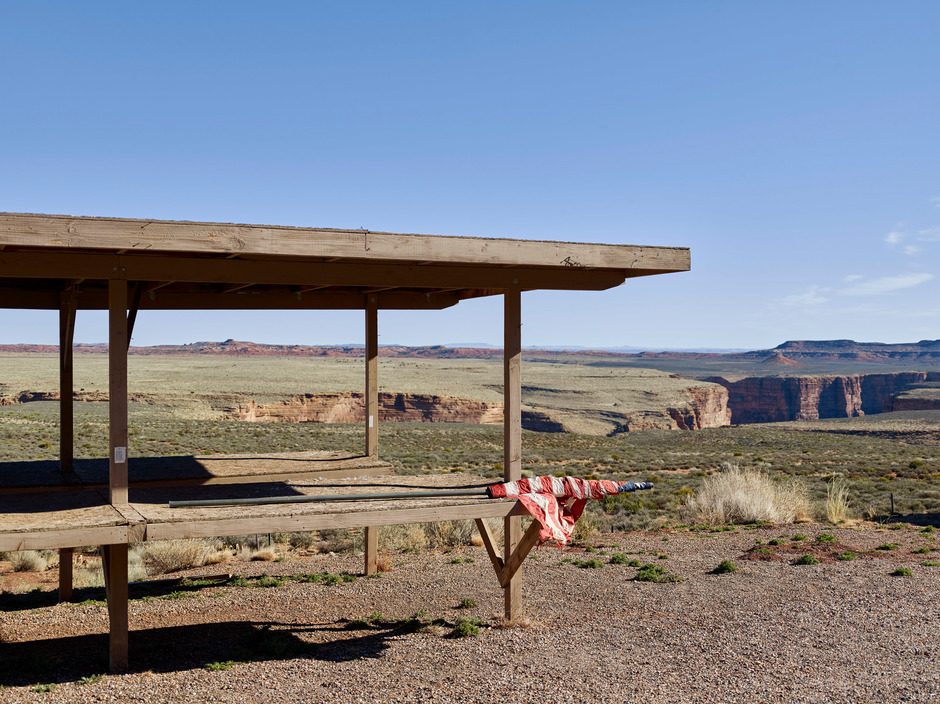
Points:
(725, 567)
(738, 495)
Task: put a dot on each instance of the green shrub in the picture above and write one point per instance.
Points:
(797, 537)
(618, 558)
(220, 666)
(655, 573)
(888, 546)
(826, 538)
(902, 572)
(847, 556)
(725, 567)
(466, 628)
(807, 560)
(466, 604)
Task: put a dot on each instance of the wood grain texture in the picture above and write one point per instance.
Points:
(117, 390)
(62, 231)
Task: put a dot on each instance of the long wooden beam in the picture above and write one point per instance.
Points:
(97, 299)
(68, 232)
(56, 265)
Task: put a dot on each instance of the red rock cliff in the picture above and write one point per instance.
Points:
(774, 399)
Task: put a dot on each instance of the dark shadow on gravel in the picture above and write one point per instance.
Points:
(69, 659)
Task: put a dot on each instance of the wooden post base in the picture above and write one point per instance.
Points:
(371, 549)
(65, 574)
(114, 562)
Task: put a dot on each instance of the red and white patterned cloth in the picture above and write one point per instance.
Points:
(540, 497)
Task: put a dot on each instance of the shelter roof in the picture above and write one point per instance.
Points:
(199, 265)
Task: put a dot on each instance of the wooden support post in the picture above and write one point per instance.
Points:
(115, 556)
(372, 549)
(67, 307)
(114, 562)
(372, 415)
(372, 375)
(65, 574)
(512, 434)
(117, 389)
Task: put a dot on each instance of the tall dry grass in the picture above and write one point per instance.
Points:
(165, 556)
(837, 501)
(739, 495)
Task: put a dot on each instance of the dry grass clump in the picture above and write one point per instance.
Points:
(402, 537)
(739, 495)
(837, 501)
(449, 534)
(28, 561)
(174, 555)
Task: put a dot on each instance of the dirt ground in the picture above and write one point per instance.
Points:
(841, 630)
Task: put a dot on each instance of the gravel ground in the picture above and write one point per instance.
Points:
(838, 631)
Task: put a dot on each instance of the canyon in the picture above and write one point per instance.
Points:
(596, 393)
(772, 399)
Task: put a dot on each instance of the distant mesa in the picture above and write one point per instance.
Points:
(777, 359)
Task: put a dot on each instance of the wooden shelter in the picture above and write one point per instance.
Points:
(127, 266)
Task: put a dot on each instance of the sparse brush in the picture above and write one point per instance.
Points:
(585, 527)
(165, 556)
(747, 496)
(807, 560)
(301, 541)
(902, 572)
(837, 501)
(338, 540)
(264, 555)
(28, 561)
(449, 534)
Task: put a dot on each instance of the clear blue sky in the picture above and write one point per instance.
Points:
(794, 146)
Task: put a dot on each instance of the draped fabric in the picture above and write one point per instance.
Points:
(540, 496)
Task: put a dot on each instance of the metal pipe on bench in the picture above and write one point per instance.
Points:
(481, 492)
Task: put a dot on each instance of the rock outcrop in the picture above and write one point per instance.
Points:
(774, 399)
(349, 407)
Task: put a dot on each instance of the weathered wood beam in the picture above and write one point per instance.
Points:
(303, 522)
(62, 231)
(55, 265)
(97, 299)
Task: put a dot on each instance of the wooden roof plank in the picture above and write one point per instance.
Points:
(114, 234)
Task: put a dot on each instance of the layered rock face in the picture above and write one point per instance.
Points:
(774, 399)
(708, 408)
(349, 407)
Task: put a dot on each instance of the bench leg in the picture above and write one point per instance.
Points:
(65, 574)
(512, 529)
(114, 562)
(372, 549)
